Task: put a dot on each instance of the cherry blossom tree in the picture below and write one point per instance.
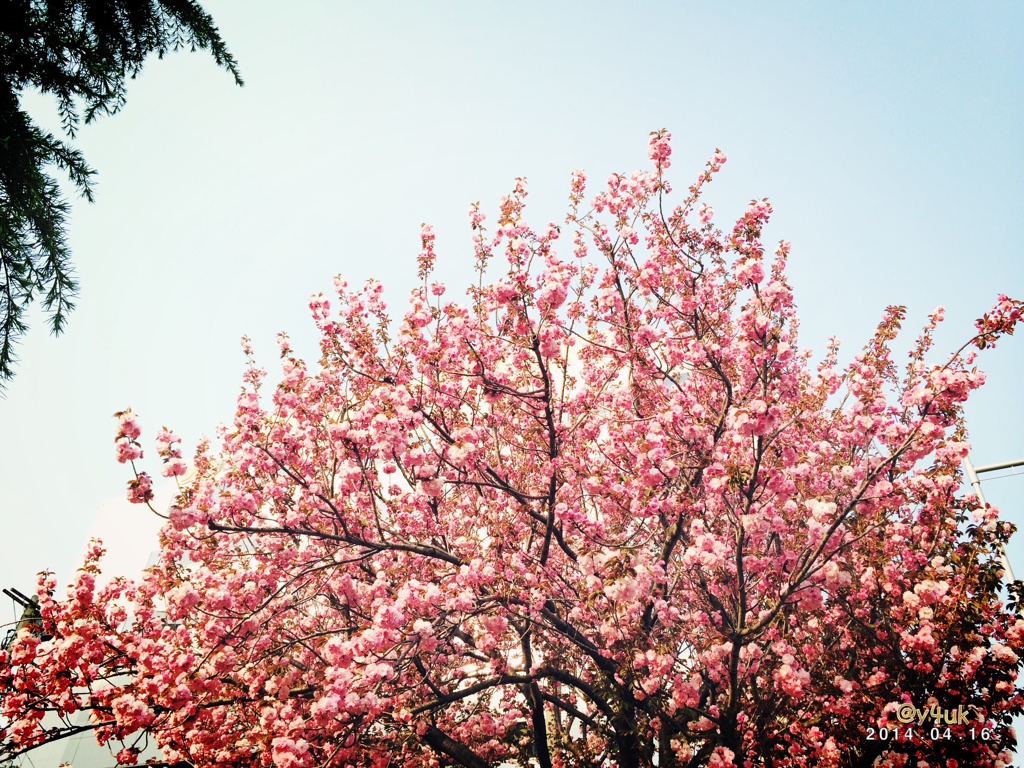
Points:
(605, 511)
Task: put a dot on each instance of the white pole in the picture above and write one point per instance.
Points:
(975, 481)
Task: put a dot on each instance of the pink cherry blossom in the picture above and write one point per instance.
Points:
(604, 512)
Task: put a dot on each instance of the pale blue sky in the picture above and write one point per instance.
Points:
(888, 137)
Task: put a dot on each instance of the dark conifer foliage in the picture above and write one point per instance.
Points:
(82, 52)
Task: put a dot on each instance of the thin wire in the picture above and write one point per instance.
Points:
(1003, 477)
